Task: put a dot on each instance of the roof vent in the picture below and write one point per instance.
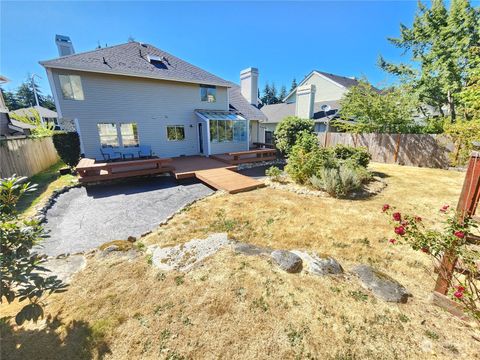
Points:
(64, 45)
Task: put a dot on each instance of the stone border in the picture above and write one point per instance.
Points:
(260, 164)
(41, 213)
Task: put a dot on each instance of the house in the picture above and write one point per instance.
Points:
(10, 127)
(316, 97)
(47, 116)
(136, 94)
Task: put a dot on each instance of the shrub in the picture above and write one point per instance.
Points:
(68, 147)
(288, 131)
(307, 158)
(22, 276)
(358, 155)
(337, 182)
(463, 134)
(274, 173)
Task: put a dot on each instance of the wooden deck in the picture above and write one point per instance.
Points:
(249, 156)
(214, 173)
(228, 180)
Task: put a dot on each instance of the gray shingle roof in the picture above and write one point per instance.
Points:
(239, 103)
(342, 80)
(43, 112)
(131, 59)
(277, 112)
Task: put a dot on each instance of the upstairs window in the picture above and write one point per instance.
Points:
(108, 135)
(176, 133)
(71, 86)
(129, 134)
(208, 93)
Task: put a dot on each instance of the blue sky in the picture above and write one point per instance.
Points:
(283, 39)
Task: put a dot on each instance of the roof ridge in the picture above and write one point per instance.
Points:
(89, 51)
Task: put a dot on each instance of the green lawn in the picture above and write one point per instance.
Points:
(47, 181)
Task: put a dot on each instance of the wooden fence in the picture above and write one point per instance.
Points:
(405, 149)
(26, 157)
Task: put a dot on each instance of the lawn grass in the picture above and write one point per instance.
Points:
(241, 307)
(47, 181)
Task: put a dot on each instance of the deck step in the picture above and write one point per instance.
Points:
(228, 180)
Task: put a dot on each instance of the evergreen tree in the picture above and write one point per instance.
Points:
(266, 94)
(283, 94)
(294, 85)
(438, 44)
(273, 94)
(11, 100)
(25, 95)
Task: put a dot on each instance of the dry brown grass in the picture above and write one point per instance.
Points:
(244, 307)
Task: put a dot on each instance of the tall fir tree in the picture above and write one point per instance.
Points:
(283, 94)
(438, 43)
(294, 85)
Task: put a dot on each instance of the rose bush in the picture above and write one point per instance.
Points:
(452, 238)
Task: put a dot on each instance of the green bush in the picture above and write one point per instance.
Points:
(68, 147)
(274, 173)
(337, 182)
(23, 278)
(307, 158)
(357, 155)
(288, 130)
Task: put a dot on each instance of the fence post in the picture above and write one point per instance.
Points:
(397, 148)
(466, 207)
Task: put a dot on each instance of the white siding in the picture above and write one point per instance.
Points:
(152, 104)
(325, 89)
(224, 147)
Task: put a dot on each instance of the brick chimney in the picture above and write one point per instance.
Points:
(249, 85)
(305, 101)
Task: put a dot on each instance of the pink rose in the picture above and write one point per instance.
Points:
(444, 208)
(458, 294)
(385, 207)
(397, 216)
(392, 241)
(460, 288)
(459, 234)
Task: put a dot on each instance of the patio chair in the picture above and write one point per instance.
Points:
(145, 151)
(128, 152)
(110, 155)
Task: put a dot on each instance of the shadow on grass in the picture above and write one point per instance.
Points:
(77, 341)
(43, 180)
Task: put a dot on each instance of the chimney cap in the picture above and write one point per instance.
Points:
(249, 70)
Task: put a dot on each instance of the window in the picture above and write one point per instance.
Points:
(208, 93)
(129, 134)
(71, 87)
(228, 130)
(176, 133)
(108, 135)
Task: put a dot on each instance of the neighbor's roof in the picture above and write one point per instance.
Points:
(277, 112)
(346, 82)
(22, 125)
(240, 104)
(132, 59)
(43, 112)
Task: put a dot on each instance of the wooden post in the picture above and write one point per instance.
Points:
(467, 206)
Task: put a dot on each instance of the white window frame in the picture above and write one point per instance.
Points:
(68, 78)
(176, 126)
(208, 87)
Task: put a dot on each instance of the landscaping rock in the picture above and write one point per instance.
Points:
(186, 256)
(381, 285)
(249, 249)
(319, 264)
(132, 239)
(287, 261)
(65, 267)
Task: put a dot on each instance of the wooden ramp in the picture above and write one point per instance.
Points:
(228, 180)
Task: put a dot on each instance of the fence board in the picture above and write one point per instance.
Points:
(26, 157)
(428, 150)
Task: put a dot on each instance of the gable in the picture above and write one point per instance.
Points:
(326, 89)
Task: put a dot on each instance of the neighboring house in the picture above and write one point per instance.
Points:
(10, 127)
(47, 116)
(308, 100)
(135, 94)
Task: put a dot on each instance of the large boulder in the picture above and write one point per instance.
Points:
(319, 264)
(185, 257)
(380, 284)
(287, 260)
